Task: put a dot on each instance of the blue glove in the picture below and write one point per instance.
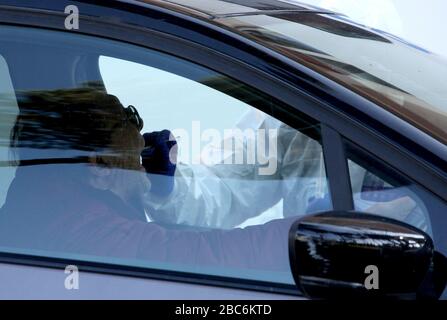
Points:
(157, 163)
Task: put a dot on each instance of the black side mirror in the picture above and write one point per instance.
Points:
(349, 254)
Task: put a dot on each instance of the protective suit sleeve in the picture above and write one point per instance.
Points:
(225, 194)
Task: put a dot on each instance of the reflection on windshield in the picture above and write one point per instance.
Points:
(332, 26)
(403, 79)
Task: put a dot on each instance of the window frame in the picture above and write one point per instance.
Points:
(334, 125)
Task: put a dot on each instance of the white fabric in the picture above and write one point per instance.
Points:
(226, 195)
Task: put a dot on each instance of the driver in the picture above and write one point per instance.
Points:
(79, 184)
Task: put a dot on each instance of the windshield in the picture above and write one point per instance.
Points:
(406, 80)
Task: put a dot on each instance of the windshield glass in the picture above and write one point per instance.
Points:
(405, 79)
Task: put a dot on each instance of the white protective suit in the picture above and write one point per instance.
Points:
(225, 195)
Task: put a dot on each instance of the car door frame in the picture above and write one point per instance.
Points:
(250, 69)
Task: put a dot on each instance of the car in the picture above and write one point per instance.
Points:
(346, 196)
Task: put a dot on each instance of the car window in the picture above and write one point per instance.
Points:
(128, 156)
(387, 196)
(382, 190)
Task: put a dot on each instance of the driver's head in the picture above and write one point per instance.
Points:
(87, 121)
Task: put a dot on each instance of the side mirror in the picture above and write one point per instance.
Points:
(349, 254)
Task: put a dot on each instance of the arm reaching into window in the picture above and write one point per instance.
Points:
(223, 194)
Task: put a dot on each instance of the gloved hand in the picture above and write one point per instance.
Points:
(160, 149)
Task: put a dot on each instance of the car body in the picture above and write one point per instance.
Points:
(394, 123)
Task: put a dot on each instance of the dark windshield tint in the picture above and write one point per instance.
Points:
(404, 79)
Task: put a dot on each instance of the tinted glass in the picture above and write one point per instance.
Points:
(403, 78)
(124, 155)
